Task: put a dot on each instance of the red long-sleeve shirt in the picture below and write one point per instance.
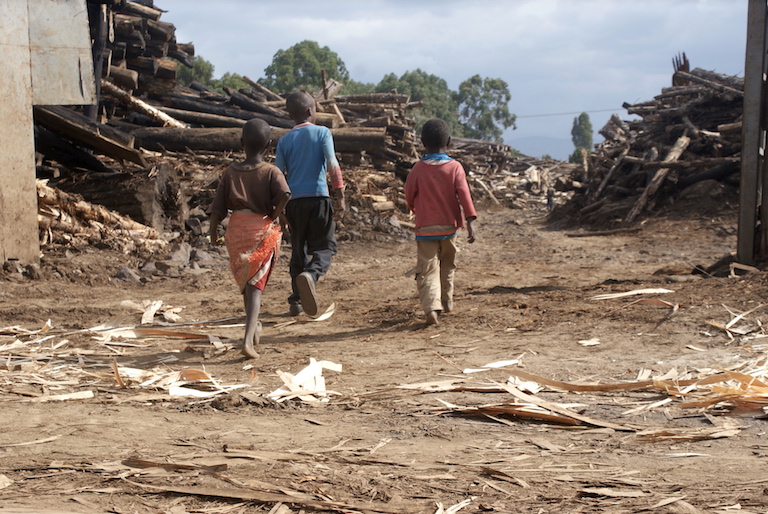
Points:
(437, 194)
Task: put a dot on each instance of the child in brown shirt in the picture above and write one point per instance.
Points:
(256, 192)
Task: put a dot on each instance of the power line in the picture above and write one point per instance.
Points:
(563, 113)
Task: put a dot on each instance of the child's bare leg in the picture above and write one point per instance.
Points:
(252, 298)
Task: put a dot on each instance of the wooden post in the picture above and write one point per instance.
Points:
(325, 85)
(752, 140)
(101, 22)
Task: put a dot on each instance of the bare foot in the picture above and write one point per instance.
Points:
(249, 352)
(248, 346)
(432, 318)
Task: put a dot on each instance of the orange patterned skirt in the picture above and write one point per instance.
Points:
(253, 244)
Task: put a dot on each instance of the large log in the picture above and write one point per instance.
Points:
(203, 118)
(145, 65)
(242, 101)
(716, 173)
(713, 85)
(167, 69)
(661, 174)
(271, 96)
(214, 120)
(346, 140)
(125, 78)
(136, 8)
(191, 104)
(180, 55)
(140, 105)
(161, 30)
(374, 98)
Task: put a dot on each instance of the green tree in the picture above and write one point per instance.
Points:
(353, 87)
(437, 100)
(201, 72)
(577, 157)
(300, 67)
(581, 133)
(483, 106)
(232, 80)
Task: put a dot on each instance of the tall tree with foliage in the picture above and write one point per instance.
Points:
(437, 100)
(483, 107)
(581, 133)
(202, 72)
(300, 67)
(353, 87)
(232, 80)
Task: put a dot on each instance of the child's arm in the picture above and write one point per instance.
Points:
(471, 234)
(335, 177)
(280, 206)
(213, 233)
(218, 209)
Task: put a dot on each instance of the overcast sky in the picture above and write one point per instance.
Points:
(558, 57)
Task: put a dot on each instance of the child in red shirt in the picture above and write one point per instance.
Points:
(437, 192)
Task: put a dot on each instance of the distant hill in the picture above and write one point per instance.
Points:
(535, 146)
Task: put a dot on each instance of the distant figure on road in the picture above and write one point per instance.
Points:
(256, 193)
(307, 157)
(437, 192)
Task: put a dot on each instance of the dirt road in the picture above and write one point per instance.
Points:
(524, 295)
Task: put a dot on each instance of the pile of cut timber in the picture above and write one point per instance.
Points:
(133, 47)
(689, 133)
(152, 149)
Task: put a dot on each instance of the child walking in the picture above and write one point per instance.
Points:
(307, 157)
(437, 192)
(256, 193)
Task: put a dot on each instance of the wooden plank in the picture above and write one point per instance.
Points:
(74, 125)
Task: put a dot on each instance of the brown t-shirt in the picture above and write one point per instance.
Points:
(257, 188)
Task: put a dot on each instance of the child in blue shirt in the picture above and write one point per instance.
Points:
(307, 157)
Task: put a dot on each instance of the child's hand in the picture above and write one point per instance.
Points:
(217, 241)
(339, 206)
(284, 226)
(471, 234)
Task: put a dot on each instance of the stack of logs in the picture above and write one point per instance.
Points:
(152, 150)
(689, 133)
(134, 48)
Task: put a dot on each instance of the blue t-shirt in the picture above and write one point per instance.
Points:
(303, 155)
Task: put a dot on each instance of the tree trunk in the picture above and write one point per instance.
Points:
(140, 105)
(242, 101)
(191, 104)
(346, 140)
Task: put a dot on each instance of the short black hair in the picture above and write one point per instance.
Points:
(435, 133)
(256, 133)
(298, 102)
